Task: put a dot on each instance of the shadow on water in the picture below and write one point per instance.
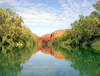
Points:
(11, 59)
(83, 59)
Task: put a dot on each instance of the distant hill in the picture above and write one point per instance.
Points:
(46, 35)
(49, 37)
(57, 33)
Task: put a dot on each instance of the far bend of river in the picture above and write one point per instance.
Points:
(48, 61)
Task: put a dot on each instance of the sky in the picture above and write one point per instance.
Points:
(46, 16)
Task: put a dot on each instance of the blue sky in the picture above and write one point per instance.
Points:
(47, 16)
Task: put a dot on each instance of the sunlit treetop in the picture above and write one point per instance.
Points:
(97, 5)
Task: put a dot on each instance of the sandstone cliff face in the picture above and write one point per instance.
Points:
(39, 41)
(56, 33)
(49, 37)
(49, 50)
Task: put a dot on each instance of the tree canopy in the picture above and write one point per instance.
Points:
(11, 29)
(85, 31)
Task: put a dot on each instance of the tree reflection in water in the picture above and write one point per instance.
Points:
(84, 59)
(11, 59)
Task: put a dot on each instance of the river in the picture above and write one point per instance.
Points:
(48, 61)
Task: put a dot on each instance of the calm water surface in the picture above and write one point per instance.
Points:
(45, 61)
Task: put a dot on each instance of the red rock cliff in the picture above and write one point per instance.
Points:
(56, 33)
(49, 37)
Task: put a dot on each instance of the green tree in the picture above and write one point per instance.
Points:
(97, 5)
(12, 30)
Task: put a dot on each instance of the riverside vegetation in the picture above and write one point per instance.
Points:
(12, 32)
(17, 43)
(84, 32)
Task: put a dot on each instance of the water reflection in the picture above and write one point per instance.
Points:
(84, 59)
(48, 61)
(11, 59)
(49, 50)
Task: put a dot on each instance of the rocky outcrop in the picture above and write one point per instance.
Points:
(56, 33)
(49, 37)
(38, 38)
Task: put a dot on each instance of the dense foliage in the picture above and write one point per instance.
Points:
(12, 31)
(85, 31)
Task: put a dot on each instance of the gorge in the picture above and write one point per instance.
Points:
(49, 37)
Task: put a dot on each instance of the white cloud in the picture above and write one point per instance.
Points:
(12, 2)
(42, 14)
(73, 8)
(1, 1)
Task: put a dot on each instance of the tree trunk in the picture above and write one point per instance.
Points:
(3, 39)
